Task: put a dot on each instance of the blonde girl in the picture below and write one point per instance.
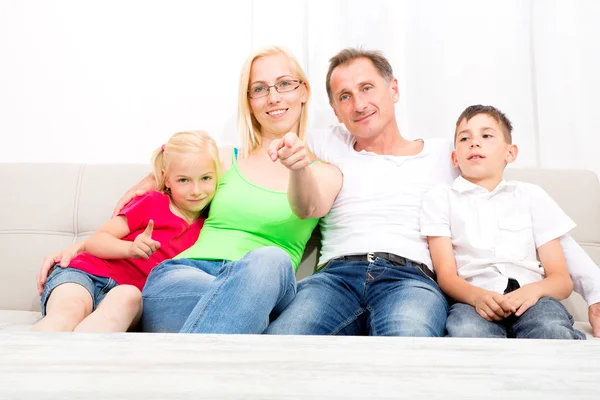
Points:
(96, 285)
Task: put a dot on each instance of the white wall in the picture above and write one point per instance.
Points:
(107, 81)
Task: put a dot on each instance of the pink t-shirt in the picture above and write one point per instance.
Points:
(173, 233)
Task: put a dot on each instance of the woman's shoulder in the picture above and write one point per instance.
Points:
(226, 157)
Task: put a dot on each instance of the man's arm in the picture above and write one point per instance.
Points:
(586, 278)
(583, 270)
(552, 223)
(312, 189)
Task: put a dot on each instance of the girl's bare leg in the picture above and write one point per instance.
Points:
(67, 306)
(118, 311)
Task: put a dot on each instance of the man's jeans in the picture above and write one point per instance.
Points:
(205, 296)
(365, 298)
(546, 319)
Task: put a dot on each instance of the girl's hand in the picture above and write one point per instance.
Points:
(144, 246)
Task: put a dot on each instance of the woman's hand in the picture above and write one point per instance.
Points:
(62, 258)
(147, 184)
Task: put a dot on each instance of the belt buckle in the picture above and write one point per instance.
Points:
(371, 257)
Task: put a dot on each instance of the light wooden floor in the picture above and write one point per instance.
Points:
(173, 366)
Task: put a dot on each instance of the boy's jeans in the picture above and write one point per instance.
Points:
(365, 298)
(206, 296)
(546, 319)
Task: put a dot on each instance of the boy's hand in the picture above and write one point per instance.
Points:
(493, 306)
(290, 150)
(523, 298)
(144, 246)
(63, 258)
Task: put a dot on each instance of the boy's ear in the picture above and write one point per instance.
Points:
(336, 112)
(454, 159)
(511, 153)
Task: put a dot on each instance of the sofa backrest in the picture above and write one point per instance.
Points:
(577, 192)
(46, 207)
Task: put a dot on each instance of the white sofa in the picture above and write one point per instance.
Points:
(45, 207)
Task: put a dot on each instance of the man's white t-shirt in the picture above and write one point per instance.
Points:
(377, 209)
(495, 235)
(379, 204)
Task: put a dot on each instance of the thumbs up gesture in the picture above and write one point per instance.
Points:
(144, 246)
(290, 151)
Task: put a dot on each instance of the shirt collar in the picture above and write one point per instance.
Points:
(461, 185)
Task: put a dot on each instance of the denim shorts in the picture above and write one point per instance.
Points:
(97, 286)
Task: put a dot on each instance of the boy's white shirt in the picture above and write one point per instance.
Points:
(495, 234)
(379, 205)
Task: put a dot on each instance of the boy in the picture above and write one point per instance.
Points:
(483, 233)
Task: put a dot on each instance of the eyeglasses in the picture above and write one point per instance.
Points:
(259, 90)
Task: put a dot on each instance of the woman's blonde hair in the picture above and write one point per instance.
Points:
(190, 142)
(247, 124)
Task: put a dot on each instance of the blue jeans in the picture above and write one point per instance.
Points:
(207, 296)
(374, 298)
(546, 319)
(98, 286)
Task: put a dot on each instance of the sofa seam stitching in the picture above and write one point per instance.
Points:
(76, 204)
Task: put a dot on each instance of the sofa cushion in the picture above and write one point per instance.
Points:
(11, 320)
(23, 320)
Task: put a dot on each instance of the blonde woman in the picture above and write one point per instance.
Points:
(241, 271)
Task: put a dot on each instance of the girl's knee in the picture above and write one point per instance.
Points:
(128, 296)
(70, 299)
(75, 308)
(65, 314)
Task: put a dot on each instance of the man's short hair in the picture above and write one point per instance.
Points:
(491, 111)
(346, 56)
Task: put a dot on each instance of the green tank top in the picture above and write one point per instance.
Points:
(244, 217)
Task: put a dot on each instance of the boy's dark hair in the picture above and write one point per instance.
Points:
(346, 56)
(491, 111)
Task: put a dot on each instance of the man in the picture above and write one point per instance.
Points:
(375, 272)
